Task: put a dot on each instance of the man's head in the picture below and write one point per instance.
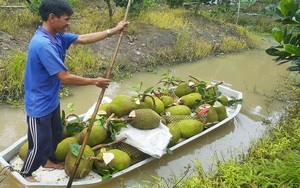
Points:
(57, 7)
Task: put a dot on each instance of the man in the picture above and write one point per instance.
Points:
(45, 71)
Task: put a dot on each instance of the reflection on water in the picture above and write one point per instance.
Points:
(253, 73)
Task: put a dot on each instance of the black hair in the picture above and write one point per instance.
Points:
(57, 7)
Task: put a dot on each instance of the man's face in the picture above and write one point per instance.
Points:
(61, 24)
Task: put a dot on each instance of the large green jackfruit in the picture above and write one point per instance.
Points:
(175, 132)
(23, 150)
(184, 88)
(120, 160)
(189, 127)
(191, 100)
(82, 169)
(63, 148)
(159, 105)
(144, 118)
(221, 111)
(178, 110)
(121, 105)
(167, 100)
(97, 135)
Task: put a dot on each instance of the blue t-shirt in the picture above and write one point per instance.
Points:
(46, 55)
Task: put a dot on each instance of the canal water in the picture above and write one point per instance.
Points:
(252, 72)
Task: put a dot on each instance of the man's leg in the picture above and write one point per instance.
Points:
(57, 132)
(39, 147)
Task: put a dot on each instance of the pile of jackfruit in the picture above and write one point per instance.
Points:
(185, 107)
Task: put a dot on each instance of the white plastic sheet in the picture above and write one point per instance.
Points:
(153, 142)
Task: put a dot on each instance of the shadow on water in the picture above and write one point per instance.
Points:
(253, 73)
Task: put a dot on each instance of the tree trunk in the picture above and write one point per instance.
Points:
(110, 12)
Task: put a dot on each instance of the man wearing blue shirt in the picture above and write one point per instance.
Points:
(45, 72)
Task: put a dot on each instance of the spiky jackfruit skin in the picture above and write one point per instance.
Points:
(144, 118)
(178, 110)
(120, 161)
(63, 148)
(23, 150)
(121, 106)
(97, 135)
(167, 100)
(135, 154)
(159, 105)
(71, 160)
(212, 115)
(183, 89)
(221, 111)
(175, 132)
(191, 99)
(223, 99)
(140, 105)
(189, 127)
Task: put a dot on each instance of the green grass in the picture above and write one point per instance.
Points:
(91, 16)
(11, 84)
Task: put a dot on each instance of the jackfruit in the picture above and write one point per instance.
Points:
(135, 154)
(137, 104)
(174, 130)
(144, 118)
(178, 110)
(113, 158)
(191, 99)
(221, 111)
(97, 135)
(159, 105)
(63, 148)
(167, 100)
(184, 88)
(189, 127)
(102, 109)
(121, 106)
(212, 115)
(71, 160)
(223, 99)
(23, 150)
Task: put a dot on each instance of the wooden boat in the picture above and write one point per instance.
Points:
(12, 163)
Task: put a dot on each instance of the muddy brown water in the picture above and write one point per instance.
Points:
(252, 72)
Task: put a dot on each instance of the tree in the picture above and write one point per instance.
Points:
(286, 40)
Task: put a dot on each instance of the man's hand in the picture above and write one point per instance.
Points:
(122, 26)
(102, 82)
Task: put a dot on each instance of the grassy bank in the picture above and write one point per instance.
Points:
(164, 37)
(272, 161)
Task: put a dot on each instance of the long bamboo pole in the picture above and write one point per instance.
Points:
(97, 105)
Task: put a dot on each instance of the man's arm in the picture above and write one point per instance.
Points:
(98, 36)
(72, 79)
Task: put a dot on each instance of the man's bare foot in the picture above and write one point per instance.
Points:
(50, 164)
(30, 179)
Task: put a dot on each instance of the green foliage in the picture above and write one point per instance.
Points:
(33, 7)
(75, 149)
(136, 5)
(83, 62)
(18, 24)
(286, 41)
(169, 80)
(272, 161)
(12, 77)
(175, 3)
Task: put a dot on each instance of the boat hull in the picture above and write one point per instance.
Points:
(11, 152)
